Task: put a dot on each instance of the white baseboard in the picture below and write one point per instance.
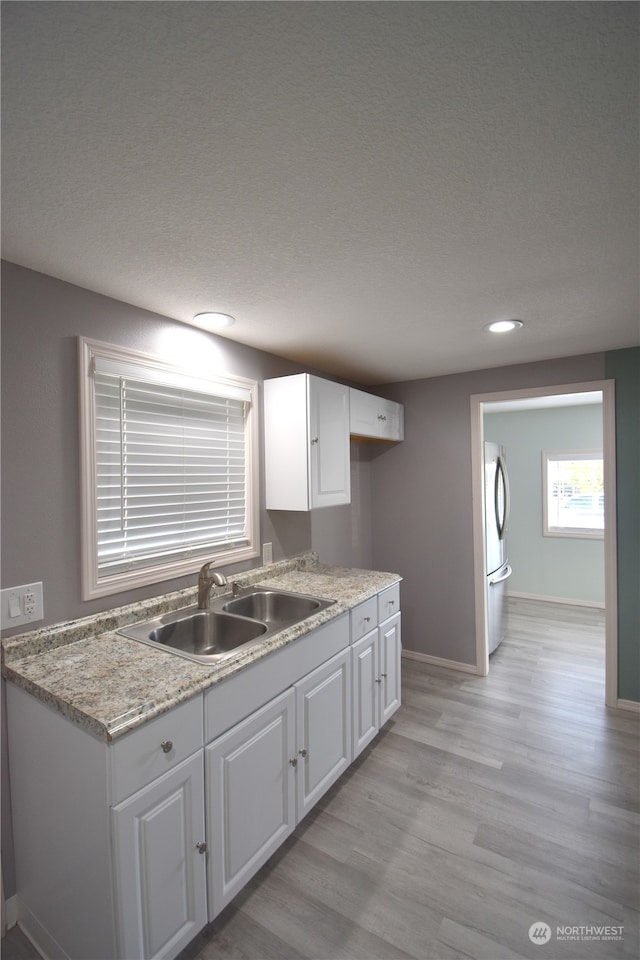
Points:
(440, 662)
(632, 706)
(11, 911)
(571, 602)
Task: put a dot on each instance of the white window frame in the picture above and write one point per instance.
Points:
(581, 533)
(95, 584)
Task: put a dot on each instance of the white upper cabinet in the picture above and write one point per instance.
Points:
(375, 417)
(306, 443)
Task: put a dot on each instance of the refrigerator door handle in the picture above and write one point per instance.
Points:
(501, 485)
(505, 576)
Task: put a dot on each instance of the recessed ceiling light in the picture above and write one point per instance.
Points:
(213, 321)
(504, 326)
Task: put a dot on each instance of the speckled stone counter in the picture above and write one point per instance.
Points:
(109, 684)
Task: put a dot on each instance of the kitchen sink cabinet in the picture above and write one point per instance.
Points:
(250, 796)
(306, 436)
(266, 772)
(323, 725)
(375, 418)
(112, 858)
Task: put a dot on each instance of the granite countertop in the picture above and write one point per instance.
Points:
(109, 684)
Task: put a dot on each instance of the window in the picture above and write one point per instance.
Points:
(573, 493)
(169, 469)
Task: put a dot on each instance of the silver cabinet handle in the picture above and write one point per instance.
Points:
(383, 675)
(378, 681)
(167, 746)
(201, 847)
(381, 416)
(367, 619)
(314, 439)
(303, 753)
(294, 761)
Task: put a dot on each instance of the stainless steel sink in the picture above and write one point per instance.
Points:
(209, 636)
(203, 635)
(275, 606)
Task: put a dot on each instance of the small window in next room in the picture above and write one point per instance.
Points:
(573, 493)
(169, 469)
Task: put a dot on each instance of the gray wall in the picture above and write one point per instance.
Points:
(561, 568)
(421, 497)
(42, 318)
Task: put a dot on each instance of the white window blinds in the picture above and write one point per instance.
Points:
(171, 466)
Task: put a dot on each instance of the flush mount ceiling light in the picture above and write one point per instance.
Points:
(503, 326)
(213, 321)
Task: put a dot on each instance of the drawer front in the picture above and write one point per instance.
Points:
(388, 602)
(141, 756)
(364, 618)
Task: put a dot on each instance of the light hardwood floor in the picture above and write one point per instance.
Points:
(485, 805)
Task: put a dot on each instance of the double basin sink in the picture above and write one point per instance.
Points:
(231, 624)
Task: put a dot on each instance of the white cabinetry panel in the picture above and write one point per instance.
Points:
(375, 417)
(250, 796)
(366, 701)
(160, 874)
(306, 425)
(323, 729)
(390, 666)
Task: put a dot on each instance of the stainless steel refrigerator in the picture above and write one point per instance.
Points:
(496, 516)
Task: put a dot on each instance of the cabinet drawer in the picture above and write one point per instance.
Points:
(364, 618)
(388, 602)
(158, 746)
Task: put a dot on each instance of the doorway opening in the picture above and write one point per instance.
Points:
(550, 396)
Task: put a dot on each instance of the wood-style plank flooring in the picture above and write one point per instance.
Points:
(485, 806)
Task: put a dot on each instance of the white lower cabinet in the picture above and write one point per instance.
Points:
(323, 729)
(128, 871)
(375, 666)
(365, 655)
(265, 773)
(250, 797)
(159, 846)
(390, 653)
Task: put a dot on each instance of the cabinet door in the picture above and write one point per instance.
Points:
(160, 873)
(329, 464)
(366, 698)
(323, 729)
(390, 653)
(374, 417)
(250, 796)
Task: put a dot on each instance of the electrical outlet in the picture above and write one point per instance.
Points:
(267, 553)
(20, 605)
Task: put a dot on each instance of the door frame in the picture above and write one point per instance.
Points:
(478, 401)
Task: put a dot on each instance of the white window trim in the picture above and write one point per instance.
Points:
(574, 533)
(91, 352)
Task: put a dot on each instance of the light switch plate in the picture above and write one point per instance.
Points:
(20, 605)
(267, 553)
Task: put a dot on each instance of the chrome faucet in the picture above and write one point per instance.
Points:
(205, 582)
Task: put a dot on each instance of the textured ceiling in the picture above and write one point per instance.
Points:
(362, 185)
